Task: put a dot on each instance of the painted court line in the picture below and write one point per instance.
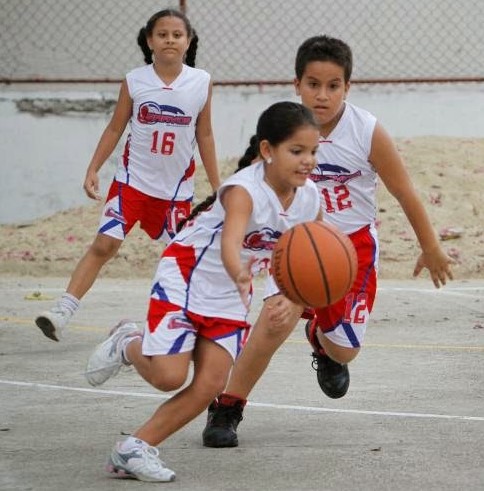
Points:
(436, 347)
(254, 404)
(449, 289)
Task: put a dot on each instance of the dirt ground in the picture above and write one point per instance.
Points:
(447, 172)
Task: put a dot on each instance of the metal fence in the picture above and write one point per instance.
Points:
(244, 41)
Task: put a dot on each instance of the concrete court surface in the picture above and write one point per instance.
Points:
(413, 418)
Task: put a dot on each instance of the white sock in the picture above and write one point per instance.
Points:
(124, 344)
(132, 442)
(68, 302)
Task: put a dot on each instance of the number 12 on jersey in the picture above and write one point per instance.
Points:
(166, 144)
(342, 199)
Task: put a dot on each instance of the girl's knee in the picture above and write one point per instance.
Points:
(210, 387)
(279, 330)
(104, 246)
(281, 327)
(341, 354)
(214, 386)
(167, 382)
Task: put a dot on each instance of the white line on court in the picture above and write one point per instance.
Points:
(255, 404)
(467, 292)
(449, 290)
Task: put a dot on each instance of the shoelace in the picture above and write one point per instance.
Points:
(152, 457)
(331, 366)
(315, 361)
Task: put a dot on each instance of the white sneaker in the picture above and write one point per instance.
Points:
(107, 358)
(53, 322)
(139, 463)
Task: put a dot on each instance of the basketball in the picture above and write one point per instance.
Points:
(314, 264)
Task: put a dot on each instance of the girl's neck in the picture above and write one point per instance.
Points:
(284, 193)
(167, 72)
(326, 129)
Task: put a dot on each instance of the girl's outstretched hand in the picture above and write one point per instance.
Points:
(243, 281)
(439, 265)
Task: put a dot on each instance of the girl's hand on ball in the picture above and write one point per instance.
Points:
(243, 281)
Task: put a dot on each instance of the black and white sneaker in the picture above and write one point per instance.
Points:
(222, 422)
(333, 377)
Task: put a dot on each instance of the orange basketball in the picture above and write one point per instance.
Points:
(314, 264)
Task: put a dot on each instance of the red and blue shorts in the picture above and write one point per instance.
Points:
(170, 329)
(125, 206)
(345, 321)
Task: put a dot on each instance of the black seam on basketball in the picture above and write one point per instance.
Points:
(321, 265)
(342, 242)
(288, 266)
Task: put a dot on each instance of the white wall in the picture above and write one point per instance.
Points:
(44, 158)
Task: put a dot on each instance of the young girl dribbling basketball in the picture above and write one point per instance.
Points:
(202, 288)
(167, 103)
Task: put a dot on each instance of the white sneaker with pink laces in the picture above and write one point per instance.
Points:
(107, 358)
(141, 463)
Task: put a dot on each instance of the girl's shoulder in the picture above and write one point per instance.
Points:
(248, 175)
(196, 72)
(358, 113)
(141, 70)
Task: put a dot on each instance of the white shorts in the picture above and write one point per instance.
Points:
(171, 330)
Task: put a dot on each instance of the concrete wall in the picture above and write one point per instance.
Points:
(44, 158)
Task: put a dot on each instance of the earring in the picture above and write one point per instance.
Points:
(269, 160)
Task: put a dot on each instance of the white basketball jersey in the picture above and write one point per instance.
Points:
(345, 178)
(158, 156)
(191, 273)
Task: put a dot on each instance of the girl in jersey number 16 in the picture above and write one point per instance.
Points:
(202, 288)
(167, 103)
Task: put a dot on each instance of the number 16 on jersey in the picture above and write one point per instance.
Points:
(163, 145)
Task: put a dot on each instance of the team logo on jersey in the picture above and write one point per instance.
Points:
(112, 213)
(180, 323)
(152, 112)
(331, 172)
(264, 239)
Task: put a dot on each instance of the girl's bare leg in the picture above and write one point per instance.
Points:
(263, 342)
(212, 365)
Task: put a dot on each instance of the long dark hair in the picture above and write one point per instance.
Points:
(276, 124)
(146, 31)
